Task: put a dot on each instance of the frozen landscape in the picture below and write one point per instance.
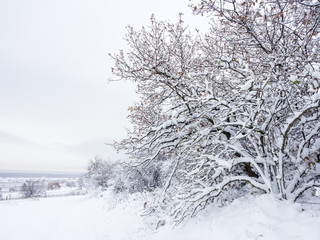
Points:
(52, 184)
(102, 218)
(222, 137)
(79, 209)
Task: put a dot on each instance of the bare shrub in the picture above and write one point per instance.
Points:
(53, 186)
(32, 188)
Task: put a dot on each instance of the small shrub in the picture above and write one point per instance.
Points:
(32, 188)
(53, 186)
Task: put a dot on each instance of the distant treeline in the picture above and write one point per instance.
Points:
(25, 174)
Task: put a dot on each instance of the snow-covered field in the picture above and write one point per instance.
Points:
(10, 187)
(90, 218)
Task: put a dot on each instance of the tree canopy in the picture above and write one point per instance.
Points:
(232, 111)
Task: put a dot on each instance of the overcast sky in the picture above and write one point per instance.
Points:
(57, 109)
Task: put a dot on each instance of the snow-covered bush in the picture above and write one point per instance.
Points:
(82, 182)
(134, 179)
(123, 178)
(100, 173)
(236, 110)
(33, 188)
(53, 186)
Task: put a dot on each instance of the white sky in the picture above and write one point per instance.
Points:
(56, 107)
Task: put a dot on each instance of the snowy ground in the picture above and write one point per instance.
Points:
(84, 217)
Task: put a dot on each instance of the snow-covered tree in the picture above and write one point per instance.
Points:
(234, 110)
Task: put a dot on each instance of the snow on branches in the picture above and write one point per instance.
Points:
(233, 110)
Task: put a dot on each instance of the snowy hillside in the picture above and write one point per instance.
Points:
(83, 217)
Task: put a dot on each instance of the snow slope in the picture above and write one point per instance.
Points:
(83, 217)
(255, 218)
